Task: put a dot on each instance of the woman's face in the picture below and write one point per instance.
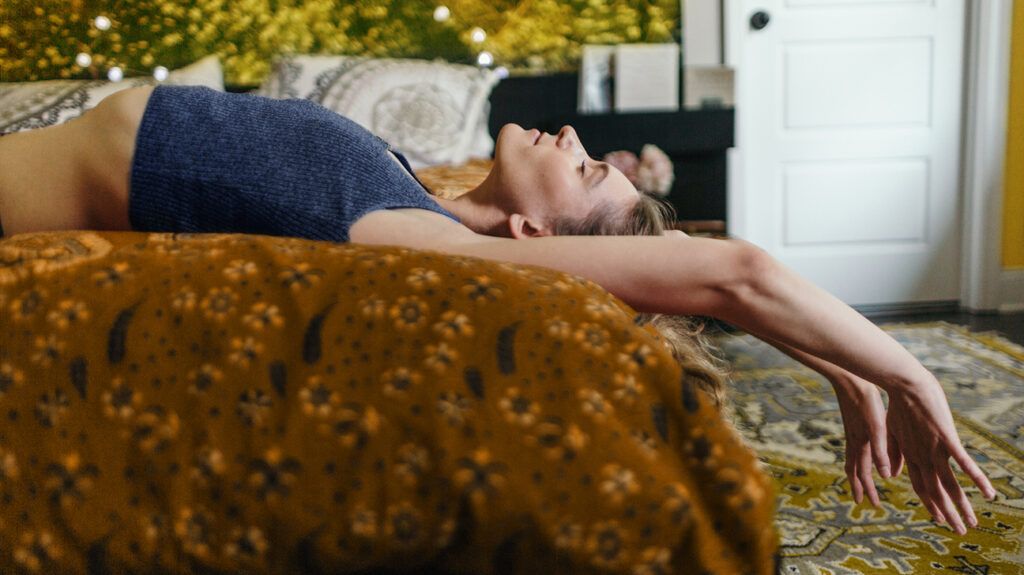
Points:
(545, 175)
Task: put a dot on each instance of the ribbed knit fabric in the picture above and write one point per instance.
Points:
(209, 161)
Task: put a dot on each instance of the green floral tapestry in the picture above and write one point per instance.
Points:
(42, 39)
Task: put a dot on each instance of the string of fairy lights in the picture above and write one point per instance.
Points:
(43, 39)
(477, 35)
(116, 73)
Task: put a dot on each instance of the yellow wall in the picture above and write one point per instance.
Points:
(1013, 195)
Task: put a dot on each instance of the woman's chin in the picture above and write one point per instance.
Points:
(505, 133)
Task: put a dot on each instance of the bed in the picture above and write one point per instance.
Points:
(228, 403)
(246, 403)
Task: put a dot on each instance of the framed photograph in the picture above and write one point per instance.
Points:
(646, 77)
(595, 91)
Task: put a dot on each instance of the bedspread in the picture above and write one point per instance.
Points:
(231, 403)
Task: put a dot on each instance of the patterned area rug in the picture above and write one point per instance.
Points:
(790, 417)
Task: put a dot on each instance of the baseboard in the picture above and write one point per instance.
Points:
(1011, 291)
(931, 307)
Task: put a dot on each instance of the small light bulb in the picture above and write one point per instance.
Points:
(478, 35)
(83, 60)
(102, 23)
(485, 58)
(115, 74)
(441, 13)
(160, 73)
(502, 72)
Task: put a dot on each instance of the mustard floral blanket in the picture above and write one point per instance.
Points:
(232, 403)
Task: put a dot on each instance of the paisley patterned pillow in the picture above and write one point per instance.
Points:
(30, 105)
(433, 111)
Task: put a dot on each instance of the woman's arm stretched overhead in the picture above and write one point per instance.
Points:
(742, 284)
(732, 280)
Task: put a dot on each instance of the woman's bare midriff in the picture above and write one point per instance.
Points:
(74, 175)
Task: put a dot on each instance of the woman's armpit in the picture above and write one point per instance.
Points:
(409, 227)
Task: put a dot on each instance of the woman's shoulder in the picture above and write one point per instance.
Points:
(410, 227)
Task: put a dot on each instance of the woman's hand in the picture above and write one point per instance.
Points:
(867, 438)
(918, 419)
(917, 428)
(920, 422)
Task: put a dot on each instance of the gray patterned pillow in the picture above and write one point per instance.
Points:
(30, 105)
(434, 112)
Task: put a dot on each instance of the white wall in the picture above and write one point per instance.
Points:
(702, 32)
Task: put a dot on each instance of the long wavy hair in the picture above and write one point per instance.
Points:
(683, 335)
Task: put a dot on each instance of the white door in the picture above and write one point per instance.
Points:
(848, 118)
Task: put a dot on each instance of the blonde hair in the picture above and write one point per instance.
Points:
(652, 216)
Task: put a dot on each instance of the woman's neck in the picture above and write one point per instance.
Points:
(480, 208)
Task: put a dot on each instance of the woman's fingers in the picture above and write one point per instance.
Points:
(963, 459)
(867, 482)
(880, 450)
(919, 487)
(931, 479)
(895, 455)
(858, 469)
(855, 486)
(952, 487)
(874, 414)
(852, 472)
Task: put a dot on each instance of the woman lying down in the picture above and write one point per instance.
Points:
(191, 159)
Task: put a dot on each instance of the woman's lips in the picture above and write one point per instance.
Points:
(537, 137)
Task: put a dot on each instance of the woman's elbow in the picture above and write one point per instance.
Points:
(755, 264)
(748, 273)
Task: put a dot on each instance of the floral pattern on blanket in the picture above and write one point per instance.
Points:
(231, 403)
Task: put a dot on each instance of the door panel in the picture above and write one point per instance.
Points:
(852, 190)
(817, 3)
(858, 83)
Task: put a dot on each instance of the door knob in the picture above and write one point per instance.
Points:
(759, 20)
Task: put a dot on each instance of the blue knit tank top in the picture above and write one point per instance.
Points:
(209, 161)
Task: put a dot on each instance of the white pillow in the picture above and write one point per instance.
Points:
(30, 105)
(434, 112)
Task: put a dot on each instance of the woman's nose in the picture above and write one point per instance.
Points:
(567, 137)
